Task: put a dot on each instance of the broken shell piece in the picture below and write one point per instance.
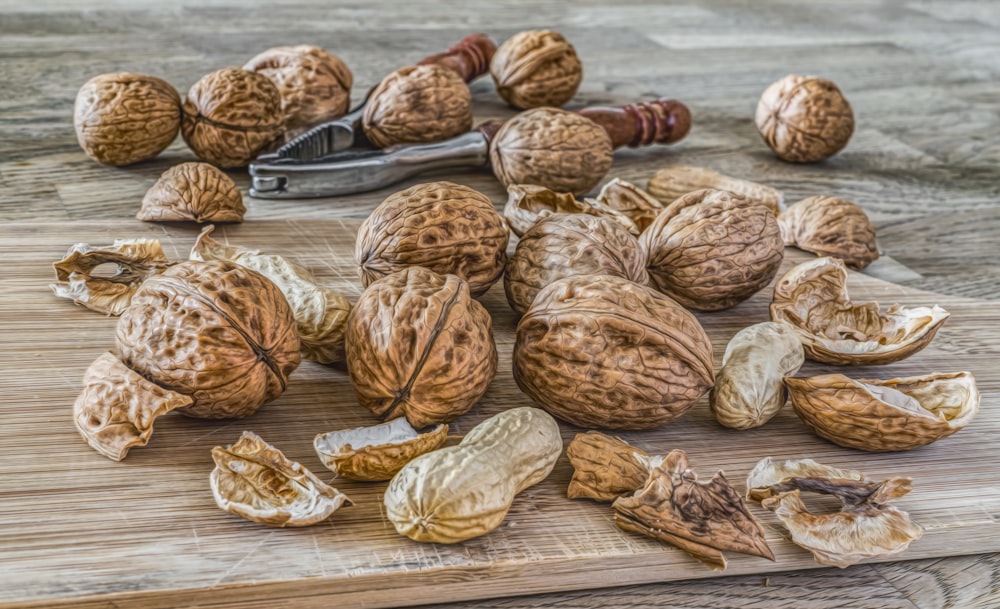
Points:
(605, 468)
(630, 200)
(671, 183)
(320, 313)
(769, 472)
(875, 415)
(254, 480)
(829, 226)
(377, 452)
(135, 260)
(701, 518)
(117, 407)
(193, 192)
(813, 298)
(528, 204)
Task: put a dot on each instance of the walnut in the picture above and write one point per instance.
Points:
(215, 331)
(378, 452)
(813, 298)
(874, 415)
(125, 118)
(671, 183)
(553, 148)
(570, 244)
(536, 68)
(446, 227)
(315, 85)
(196, 192)
(602, 351)
(829, 226)
(527, 204)
(804, 119)
(231, 116)
(629, 200)
(712, 249)
(605, 468)
(427, 103)
(433, 355)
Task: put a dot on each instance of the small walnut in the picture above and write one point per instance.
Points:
(418, 346)
(804, 119)
(125, 118)
(231, 115)
(629, 200)
(671, 183)
(602, 351)
(315, 85)
(195, 192)
(528, 204)
(446, 227)
(418, 104)
(378, 452)
(829, 226)
(570, 244)
(536, 68)
(605, 468)
(553, 148)
(713, 249)
(215, 331)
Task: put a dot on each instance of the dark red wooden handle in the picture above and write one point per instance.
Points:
(470, 57)
(663, 121)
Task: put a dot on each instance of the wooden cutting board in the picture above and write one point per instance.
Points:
(77, 529)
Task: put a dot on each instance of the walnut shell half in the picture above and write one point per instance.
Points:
(193, 192)
(536, 68)
(829, 226)
(673, 182)
(378, 452)
(804, 119)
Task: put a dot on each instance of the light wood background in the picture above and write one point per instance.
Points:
(923, 162)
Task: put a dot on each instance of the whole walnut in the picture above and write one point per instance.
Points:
(560, 150)
(712, 249)
(315, 85)
(602, 351)
(562, 245)
(418, 346)
(215, 331)
(536, 68)
(418, 104)
(231, 115)
(125, 118)
(193, 192)
(804, 119)
(446, 227)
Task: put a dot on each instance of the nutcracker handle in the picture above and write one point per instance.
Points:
(663, 121)
(470, 56)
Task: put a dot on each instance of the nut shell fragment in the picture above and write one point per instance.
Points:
(536, 68)
(629, 200)
(528, 205)
(254, 480)
(605, 468)
(377, 452)
(193, 192)
(830, 226)
(671, 183)
(804, 119)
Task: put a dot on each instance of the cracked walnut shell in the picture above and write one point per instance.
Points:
(673, 182)
(630, 201)
(528, 204)
(536, 68)
(195, 192)
(376, 453)
(829, 226)
(804, 119)
(606, 468)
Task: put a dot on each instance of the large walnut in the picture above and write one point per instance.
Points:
(713, 249)
(570, 244)
(125, 118)
(830, 226)
(602, 351)
(804, 119)
(446, 227)
(231, 115)
(215, 331)
(194, 192)
(418, 346)
(427, 103)
(315, 85)
(536, 68)
(553, 148)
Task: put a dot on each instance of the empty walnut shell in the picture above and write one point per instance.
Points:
(813, 298)
(829, 226)
(602, 351)
(215, 331)
(570, 244)
(528, 204)
(553, 148)
(193, 192)
(536, 68)
(712, 249)
(418, 346)
(673, 182)
(629, 200)
(606, 468)
(231, 116)
(896, 414)
(378, 452)
(445, 227)
(804, 119)
(427, 103)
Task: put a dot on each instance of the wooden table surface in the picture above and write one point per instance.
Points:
(924, 161)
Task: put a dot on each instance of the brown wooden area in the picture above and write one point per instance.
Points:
(924, 163)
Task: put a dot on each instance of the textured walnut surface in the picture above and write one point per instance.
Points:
(804, 119)
(536, 68)
(605, 468)
(830, 226)
(196, 192)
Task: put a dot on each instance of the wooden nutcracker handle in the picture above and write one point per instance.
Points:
(663, 121)
(470, 57)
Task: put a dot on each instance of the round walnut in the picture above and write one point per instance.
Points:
(418, 346)
(562, 245)
(602, 351)
(712, 249)
(560, 150)
(230, 116)
(418, 104)
(804, 119)
(193, 192)
(446, 227)
(126, 118)
(215, 331)
(536, 68)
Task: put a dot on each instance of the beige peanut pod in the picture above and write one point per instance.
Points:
(749, 390)
(465, 491)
